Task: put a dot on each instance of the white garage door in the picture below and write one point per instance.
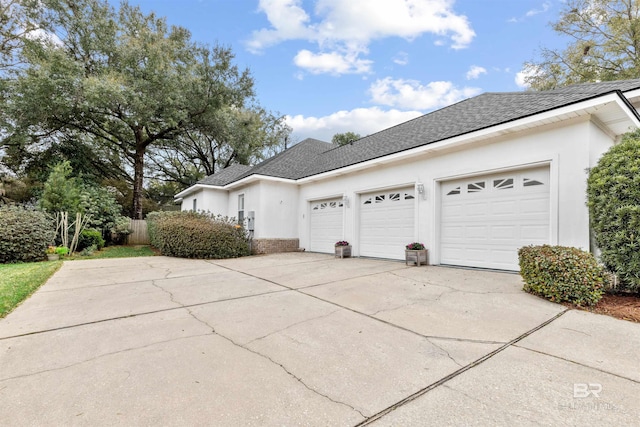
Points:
(485, 220)
(387, 223)
(326, 225)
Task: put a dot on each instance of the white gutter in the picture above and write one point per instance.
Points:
(481, 134)
(257, 177)
(539, 119)
(193, 188)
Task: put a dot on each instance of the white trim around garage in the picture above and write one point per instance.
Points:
(436, 190)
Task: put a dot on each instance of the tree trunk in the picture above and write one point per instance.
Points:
(138, 170)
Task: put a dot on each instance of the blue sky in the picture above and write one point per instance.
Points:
(364, 65)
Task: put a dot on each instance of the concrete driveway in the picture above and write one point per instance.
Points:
(306, 339)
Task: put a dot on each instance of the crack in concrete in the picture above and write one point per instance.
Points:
(291, 326)
(92, 359)
(292, 375)
(300, 291)
(460, 371)
(455, 390)
(261, 354)
(453, 290)
(284, 368)
(419, 301)
(162, 310)
(171, 296)
(577, 363)
(575, 330)
(444, 351)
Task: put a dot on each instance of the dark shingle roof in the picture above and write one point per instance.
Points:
(225, 176)
(312, 157)
(480, 112)
(292, 162)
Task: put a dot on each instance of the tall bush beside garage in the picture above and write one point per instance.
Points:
(613, 198)
(24, 234)
(196, 235)
(560, 273)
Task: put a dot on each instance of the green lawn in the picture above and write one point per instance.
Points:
(18, 281)
(116, 252)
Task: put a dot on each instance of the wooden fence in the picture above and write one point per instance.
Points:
(139, 234)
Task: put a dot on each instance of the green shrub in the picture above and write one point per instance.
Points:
(196, 235)
(24, 234)
(62, 250)
(613, 194)
(561, 273)
(90, 237)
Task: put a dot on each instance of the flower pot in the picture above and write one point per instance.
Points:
(343, 251)
(419, 256)
(53, 257)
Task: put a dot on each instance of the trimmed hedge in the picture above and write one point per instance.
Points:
(613, 197)
(90, 237)
(196, 235)
(24, 234)
(560, 273)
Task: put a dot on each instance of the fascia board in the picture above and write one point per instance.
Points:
(252, 178)
(496, 130)
(194, 188)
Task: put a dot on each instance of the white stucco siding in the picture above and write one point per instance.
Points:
(207, 200)
(187, 201)
(252, 196)
(566, 148)
(277, 214)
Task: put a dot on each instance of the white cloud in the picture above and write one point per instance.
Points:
(545, 6)
(332, 63)
(532, 12)
(348, 27)
(521, 76)
(364, 121)
(412, 94)
(475, 72)
(402, 58)
(289, 21)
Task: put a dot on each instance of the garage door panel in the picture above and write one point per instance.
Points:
(326, 225)
(477, 232)
(504, 208)
(535, 233)
(504, 232)
(485, 220)
(386, 223)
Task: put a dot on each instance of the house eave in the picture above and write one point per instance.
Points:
(257, 177)
(193, 189)
(610, 110)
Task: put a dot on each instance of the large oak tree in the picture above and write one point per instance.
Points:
(604, 45)
(123, 81)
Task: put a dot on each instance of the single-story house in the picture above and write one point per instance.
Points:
(473, 181)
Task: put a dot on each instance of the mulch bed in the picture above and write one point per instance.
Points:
(621, 306)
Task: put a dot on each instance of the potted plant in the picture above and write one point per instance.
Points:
(415, 252)
(343, 249)
(55, 252)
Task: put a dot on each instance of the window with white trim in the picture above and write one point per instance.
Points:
(195, 204)
(240, 208)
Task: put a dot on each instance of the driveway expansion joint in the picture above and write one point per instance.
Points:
(576, 363)
(460, 371)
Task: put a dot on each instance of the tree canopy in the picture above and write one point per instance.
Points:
(130, 88)
(345, 138)
(604, 45)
